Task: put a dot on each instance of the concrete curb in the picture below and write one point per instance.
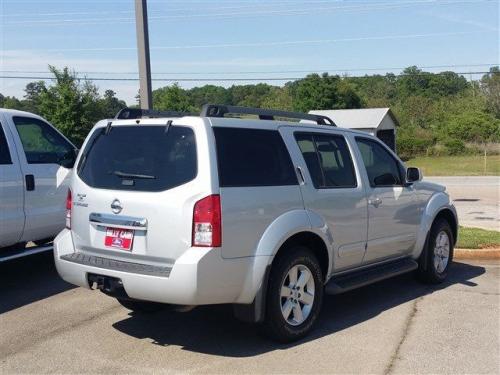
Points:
(476, 254)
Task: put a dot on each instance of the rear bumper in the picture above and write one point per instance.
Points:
(200, 276)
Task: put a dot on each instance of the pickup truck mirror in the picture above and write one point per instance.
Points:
(413, 175)
(68, 160)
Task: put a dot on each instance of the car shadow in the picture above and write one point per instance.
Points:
(29, 279)
(214, 330)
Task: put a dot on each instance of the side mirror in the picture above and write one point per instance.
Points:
(413, 175)
(68, 159)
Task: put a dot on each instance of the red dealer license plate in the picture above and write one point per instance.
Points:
(119, 238)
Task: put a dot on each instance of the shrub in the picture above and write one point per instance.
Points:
(455, 147)
(409, 147)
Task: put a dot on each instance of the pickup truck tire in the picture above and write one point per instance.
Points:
(140, 306)
(436, 258)
(295, 290)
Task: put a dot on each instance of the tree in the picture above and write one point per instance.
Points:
(172, 98)
(198, 96)
(110, 104)
(12, 103)
(33, 91)
(490, 85)
(249, 95)
(278, 98)
(322, 92)
(70, 104)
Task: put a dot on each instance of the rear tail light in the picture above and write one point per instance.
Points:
(207, 222)
(69, 205)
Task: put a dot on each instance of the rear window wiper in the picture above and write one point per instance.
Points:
(133, 175)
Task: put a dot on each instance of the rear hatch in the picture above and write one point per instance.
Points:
(135, 188)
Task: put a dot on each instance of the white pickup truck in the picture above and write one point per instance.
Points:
(35, 162)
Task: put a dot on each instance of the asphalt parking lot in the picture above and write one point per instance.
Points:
(476, 199)
(396, 326)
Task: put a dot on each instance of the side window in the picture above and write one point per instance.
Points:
(42, 144)
(252, 157)
(381, 167)
(4, 149)
(328, 160)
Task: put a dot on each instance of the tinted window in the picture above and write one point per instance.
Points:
(4, 149)
(328, 160)
(381, 167)
(252, 157)
(42, 144)
(143, 158)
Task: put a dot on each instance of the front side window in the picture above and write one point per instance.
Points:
(252, 157)
(4, 149)
(139, 158)
(381, 167)
(328, 160)
(42, 144)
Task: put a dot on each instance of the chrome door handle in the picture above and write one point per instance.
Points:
(375, 202)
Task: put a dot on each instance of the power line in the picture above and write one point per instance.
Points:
(220, 79)
(281, 12)
(269, 44)
(318, 70)
(211, 8)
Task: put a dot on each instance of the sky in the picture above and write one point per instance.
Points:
(195, 42)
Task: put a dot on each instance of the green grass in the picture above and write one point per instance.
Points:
(471, 165)
(473, 238)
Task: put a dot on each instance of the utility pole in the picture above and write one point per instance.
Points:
(141, 23)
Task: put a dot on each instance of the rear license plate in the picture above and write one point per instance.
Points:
(119, 238)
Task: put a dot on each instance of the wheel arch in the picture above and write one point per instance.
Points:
(450, 217)
(438, 206)
(314, 243)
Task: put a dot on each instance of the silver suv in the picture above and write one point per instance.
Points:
(264, 214)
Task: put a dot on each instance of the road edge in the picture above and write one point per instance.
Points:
(476, 253)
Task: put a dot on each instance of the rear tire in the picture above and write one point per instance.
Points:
(435, 262)
(294, 295)
(140, 306)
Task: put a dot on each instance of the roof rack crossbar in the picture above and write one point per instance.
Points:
(137, 113)
(216, 110)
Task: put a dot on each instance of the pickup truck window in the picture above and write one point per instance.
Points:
(381, 167)
(328, 160)
(4, 149)
(42, 144)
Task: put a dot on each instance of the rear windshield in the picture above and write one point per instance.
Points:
(141, 158)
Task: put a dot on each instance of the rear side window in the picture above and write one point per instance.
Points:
(253, 157)
(42, 144)
(4, 149)
(141, 158)
(328, 160)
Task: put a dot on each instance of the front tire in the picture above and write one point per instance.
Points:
(294, 295)
(434, 264)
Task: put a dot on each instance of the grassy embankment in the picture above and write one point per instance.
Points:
(470, 165)
(474, 238)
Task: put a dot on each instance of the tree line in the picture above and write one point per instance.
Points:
(439, 113)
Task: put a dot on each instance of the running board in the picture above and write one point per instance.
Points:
(344, 283)
(17, 253)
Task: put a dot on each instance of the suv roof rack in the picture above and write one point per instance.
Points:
(137, 113)
(217, 110)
